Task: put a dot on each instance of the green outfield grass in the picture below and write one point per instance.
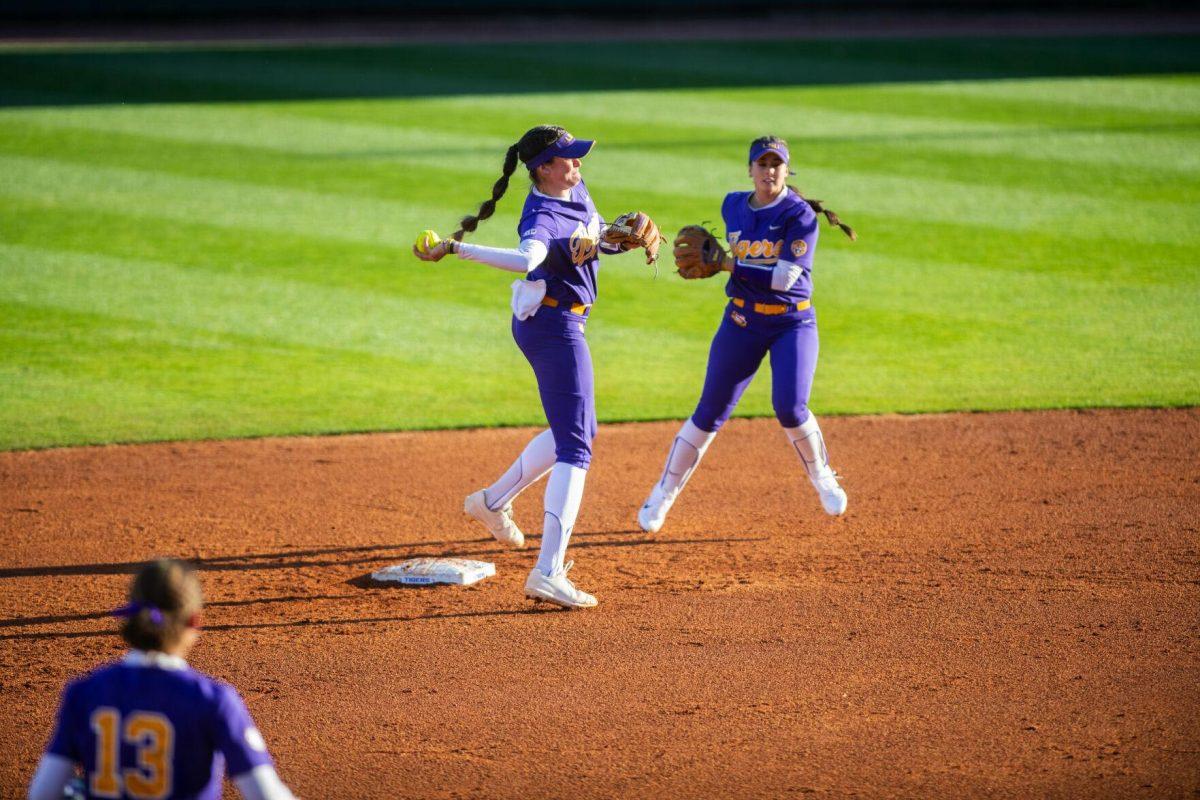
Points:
(227, 254)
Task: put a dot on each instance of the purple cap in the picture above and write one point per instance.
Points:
(758, 148)
(567, 146)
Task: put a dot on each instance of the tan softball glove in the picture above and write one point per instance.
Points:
(698, 254)
(633, 230)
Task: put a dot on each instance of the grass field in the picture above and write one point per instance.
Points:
(214, 242)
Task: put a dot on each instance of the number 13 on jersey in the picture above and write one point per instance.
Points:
(153, 738)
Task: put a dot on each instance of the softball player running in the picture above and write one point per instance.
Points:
(561, 236)
(149, 726)
(772, 232)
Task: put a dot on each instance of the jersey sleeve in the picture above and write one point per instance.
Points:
(537, 226)
(65, 740)
(800, 237)
(236, 736)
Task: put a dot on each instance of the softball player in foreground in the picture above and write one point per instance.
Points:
(149, 726)
(561, 236)
(772, 232)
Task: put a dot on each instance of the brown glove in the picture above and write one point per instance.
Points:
(698, 254)
(633, 230)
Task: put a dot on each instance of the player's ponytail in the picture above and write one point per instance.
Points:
(470, 223)
(163, 601)
(531, 144)
(819, 207)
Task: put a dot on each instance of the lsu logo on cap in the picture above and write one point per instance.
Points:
(566, 139)
(799, 248)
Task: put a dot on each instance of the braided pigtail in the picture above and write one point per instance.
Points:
(819, 207)
(470, 223)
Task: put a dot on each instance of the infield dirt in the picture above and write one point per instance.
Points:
(1010, 608)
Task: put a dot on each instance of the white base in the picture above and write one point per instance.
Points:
(423, 571)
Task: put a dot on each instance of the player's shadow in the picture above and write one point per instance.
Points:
(95, 74)
(287, 560)
(299, 623)
(293, 559)
(282, 559)
(53, 619)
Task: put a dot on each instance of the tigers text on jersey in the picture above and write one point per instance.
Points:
(144, 730)
(759, 237)
(570, 229)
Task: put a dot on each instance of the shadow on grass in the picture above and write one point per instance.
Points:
(183, 74)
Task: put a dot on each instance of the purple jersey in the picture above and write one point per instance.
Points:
(760, 237)
(142, 728)
(570, 229)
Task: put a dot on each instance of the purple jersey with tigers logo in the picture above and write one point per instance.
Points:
(760, 237)
(570, 229)
(141, 729)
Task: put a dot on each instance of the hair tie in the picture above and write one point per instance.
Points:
(131, 610)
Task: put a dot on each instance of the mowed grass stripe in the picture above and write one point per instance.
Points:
(388, 176)
(125, 381)
(156, 194)
(623, 280)
(1161, 94)
(230, 203)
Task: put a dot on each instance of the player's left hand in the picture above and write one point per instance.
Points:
(633, 230)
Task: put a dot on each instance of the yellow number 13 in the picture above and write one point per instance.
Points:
(154, 738)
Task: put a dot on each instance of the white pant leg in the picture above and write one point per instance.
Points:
(564, 493)
(535, 461)
(686, 451)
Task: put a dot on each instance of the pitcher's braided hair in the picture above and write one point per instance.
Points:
(816, 205)
(530, 145)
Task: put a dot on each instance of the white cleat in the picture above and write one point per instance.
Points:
(833, 496)
(557, 589)
(653, 513)
(499, 523)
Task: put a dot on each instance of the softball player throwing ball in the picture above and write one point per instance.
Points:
(149, 726)
(772, 232)
(561, 236)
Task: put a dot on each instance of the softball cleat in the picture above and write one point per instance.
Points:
(653, 514)
(557, 589)
(833, 496)
(499, 523)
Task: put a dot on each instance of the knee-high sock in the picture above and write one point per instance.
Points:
(810, 446)
(686, 452)
(564, 493)
(535, 461)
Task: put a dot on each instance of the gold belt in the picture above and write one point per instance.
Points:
(576, 308)
(771, 308)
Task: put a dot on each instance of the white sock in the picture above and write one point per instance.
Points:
(686, 452)
(810, 446)
(564, 493)
(535, 461)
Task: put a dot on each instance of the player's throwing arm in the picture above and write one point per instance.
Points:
(772, 235)
(561, 237)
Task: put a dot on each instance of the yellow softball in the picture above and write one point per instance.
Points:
(427, 240)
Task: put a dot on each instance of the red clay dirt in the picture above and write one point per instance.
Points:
(1010, 608)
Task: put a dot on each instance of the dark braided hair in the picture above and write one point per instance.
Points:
(531, 144)
(167, 596)
(816, 205)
